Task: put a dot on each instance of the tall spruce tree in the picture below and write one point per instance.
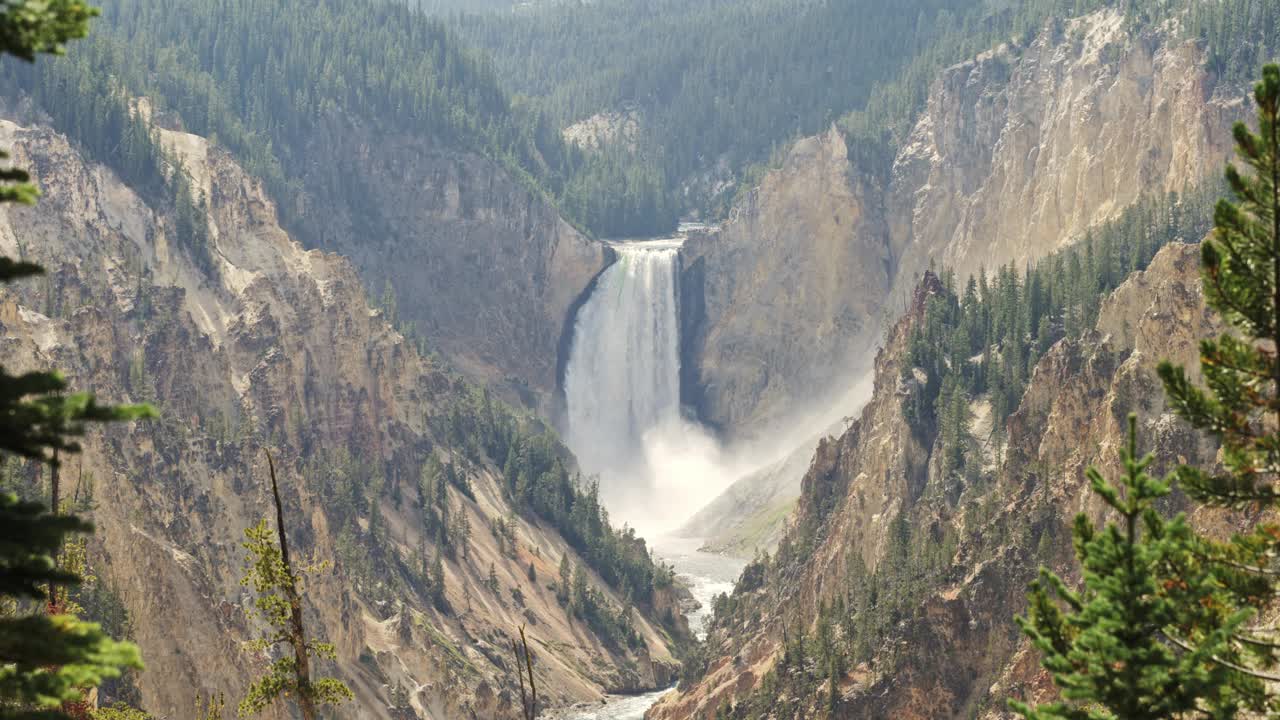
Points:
(1240, 407)
(1241, 269)
(47, 659)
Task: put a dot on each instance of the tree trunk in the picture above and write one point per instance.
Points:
(297, 632)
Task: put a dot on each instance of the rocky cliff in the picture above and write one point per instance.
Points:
(1023, 149)
(928, 569)
(478, 263)
(1017, 153)
(787, 292)
(274, 347)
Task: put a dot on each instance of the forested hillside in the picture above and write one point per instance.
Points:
(448, 519)
(721, 85)
(389, 151)
(712, 78)
(261, 78)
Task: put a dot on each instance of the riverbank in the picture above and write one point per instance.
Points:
(706, 575)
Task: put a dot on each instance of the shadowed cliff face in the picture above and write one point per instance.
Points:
(480, 265)
(1017, 153)
(279, 349)
(948, 646)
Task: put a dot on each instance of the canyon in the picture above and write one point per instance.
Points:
(734, 401)
(278, 349)
(1018, 153)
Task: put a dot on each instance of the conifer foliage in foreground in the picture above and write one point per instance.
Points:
(1166, 624)
(47, 658)
(1106, 645)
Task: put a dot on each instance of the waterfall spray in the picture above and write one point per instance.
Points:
(622, 397)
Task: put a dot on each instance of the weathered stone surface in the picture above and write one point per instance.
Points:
(791, 290)
(1023, 149)
(481, 265)
(957, 652)
(277, 349)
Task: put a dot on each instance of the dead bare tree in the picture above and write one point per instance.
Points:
(524, 665)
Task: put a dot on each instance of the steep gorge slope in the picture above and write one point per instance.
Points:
(1018, 153)
(479, 263)
(927, 569)
(393, 145)
(277, 348)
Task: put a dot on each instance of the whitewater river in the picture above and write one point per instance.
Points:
(706, 575)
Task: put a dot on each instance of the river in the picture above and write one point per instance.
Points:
(706, 575)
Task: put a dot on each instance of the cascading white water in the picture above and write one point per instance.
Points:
(623, 375)
(622, 391)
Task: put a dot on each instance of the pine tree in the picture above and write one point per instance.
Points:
(1109, 646)
(462, 528)
(1241, 405)
(578, 597)
(437, 581)
(1160, 629)
(48, 658)
(1241, 269)
(271, 573)
(562, 589)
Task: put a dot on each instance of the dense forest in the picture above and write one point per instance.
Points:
(720, 85)
(712, 79)
(261, 77)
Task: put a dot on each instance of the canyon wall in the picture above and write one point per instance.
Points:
(1017, 153)
(275, 347)
(940, 642)
(477, 262)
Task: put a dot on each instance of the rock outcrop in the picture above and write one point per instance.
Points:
(1023, 149)
(277, 347)
(787, 293)
(1018, 153)
(938, 640)
(480, 265)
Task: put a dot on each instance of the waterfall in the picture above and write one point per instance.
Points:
(623, 375)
